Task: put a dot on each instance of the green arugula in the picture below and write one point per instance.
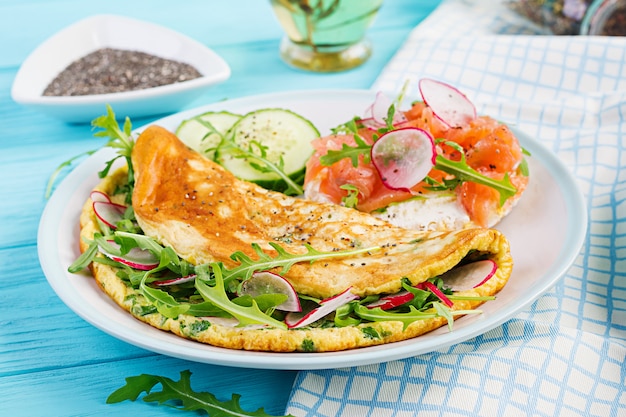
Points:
(463, 172)
(180, 395)
(217, 295)
(284, 260)
(258, 160)
(406, 318)
(362, 149)
(119, 138)
(352, 199)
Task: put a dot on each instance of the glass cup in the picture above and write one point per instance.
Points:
(325, 35)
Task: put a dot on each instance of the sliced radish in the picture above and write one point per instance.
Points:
(136, 258)
(426, 285)
(392, 301)
(175, 281)
(369, 123)
(378, 111)
(99, 196)
(403, 157)
(471, 275)
(109, 213)
(327, 306)
(270, 283)
(447, 103)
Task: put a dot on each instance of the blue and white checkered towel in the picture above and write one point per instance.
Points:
(566, 354)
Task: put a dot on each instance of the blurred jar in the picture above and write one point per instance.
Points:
(574, 17)
(325, 35)
(605, 18)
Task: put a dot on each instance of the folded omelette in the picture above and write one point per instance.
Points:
(202, 211)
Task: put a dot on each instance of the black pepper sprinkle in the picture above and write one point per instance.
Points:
(109, 70)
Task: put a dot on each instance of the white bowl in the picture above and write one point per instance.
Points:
(110, 31)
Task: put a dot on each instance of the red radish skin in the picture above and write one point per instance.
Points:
(392, 301)
(99, 196)
(404, 157)
(426, 285)
(265, 282)
(327, 306)
(136, 258)
(471, 275)
(109, 213)
(447, 103)
(378, 112)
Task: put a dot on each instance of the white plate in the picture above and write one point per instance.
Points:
(102, 31)
(546, 231)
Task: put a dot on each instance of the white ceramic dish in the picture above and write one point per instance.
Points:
(546, 231)
(100, 31)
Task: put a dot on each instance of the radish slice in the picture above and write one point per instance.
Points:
(379, 110)
(426, 285)
(470, 276)
(327, 306)
(369, 123)
(174, 281)
(403, 157)
(447, 103)
(99, 196)
(271, 283)
(109, 213)
(392, 301)
(136, 258)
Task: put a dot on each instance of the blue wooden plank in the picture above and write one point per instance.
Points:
(82, 390)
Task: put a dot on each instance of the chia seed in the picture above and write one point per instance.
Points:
(109, 70)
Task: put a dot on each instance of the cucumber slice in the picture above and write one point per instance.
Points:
(203, 133)
(282, 133)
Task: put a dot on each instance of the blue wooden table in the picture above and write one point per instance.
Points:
(52, 363)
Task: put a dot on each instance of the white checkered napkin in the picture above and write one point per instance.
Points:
(520, 369)
(566, 354)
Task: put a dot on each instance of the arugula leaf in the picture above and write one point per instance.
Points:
(180, 395)
(439, 310)
(464, 172)
(217, 295)
(284, 259)
(84, 259)
(128, 241)
(163, 301)
(352, 199)
(347, 151)
(378, 314)
(264, 165)
(120, 139)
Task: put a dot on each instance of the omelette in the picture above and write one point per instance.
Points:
(201, 211)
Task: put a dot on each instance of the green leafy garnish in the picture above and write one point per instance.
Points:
(180, 395)
(463, 172)
(362, 148)
(119, 138)
(217, 295)
(284, 259)
(259, 161)
(352, 199)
